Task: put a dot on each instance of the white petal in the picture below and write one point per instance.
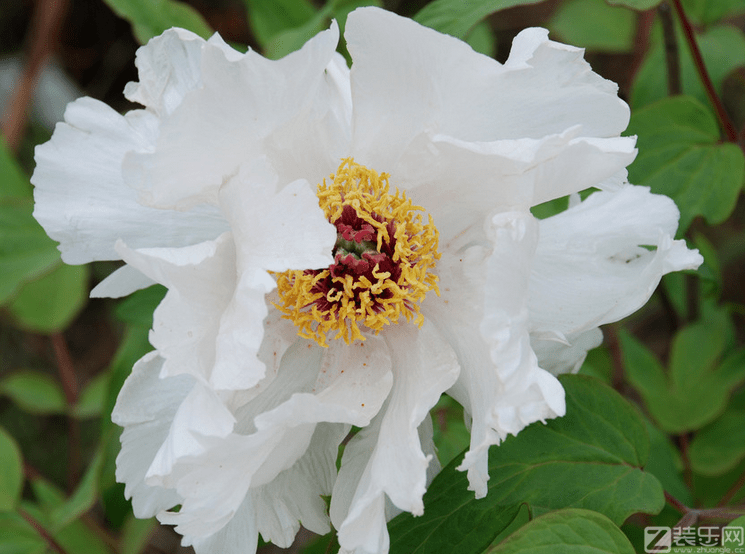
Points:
(201, 282)
(273, 231)
(280, 424)
(483, 315)
(81, 198)
(121, 282)
(168, 68)
(591, 264)
(239, 536)
(442, 86)
(241, 102)
(565, 357)
(145, 407)
(397, 468)
(459, 183)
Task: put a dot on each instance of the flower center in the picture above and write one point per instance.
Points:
(383, 261)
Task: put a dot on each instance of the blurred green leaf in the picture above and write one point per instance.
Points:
(17, 536)
(288, 40)
(732, 542)
(481, 38)
(720, 446)
(595, 25)
(138, 307)
(680, 156)
(11, 472)
(75, 537)
(26, 252)
(697, 387)
(82, 499)
(269, 19)
(458, 18)
(450, 433)
(723, 50)
(636, 4)
(13, 182)
(50, 303)
(149, 18)
(91, 401)
(706, 12)
(570, 531)
(590, 458)
(598, 364)
(135, 535)
(34, 392)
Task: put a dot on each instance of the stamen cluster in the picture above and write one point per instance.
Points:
(383, 260)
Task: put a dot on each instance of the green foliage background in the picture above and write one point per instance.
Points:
(655, 426)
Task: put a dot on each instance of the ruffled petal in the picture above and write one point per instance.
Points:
(81, 199)
(273, 231)
(145, 408)
(461, 183)
(336, 385)
(241, 103)
(483, 315)
(441, 86)
(601, 260)
(385, 459)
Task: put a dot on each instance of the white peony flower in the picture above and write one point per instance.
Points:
(340, 248)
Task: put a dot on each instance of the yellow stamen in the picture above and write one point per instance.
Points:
(375, 299)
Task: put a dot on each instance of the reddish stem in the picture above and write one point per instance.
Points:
(70, 386)
(51, 542)
(45, 26)
(698, 60)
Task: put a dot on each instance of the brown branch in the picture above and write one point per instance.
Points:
(51, 542)
(698, 60)
(672, 59)
(69, 380)
(732, 491)
(44, 33)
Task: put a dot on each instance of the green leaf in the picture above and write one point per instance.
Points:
(82, 499)
(723, 50)
(138, 308)
(75, 538)
(26, 252)
(458, 18)
(696, 389)
(720, 446)
(481, 38)
(50, 303)
(570, 531)
(679, 156)
(595, 25)
(289, 40)
(19, 536)
(706, 12)
(640, 5)
(149, 18)
(13, 182)
(269, 19)
(34, 392)
(92, 399)
(11, 472)
(666, 464)
(732, 542)
(591, 458)
(451, 435)
(135, 535)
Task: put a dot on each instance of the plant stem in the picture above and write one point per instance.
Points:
(70, 386)
(672, 59)
(45, 26)
(51, 542)
(698, 60)
(732, 491)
